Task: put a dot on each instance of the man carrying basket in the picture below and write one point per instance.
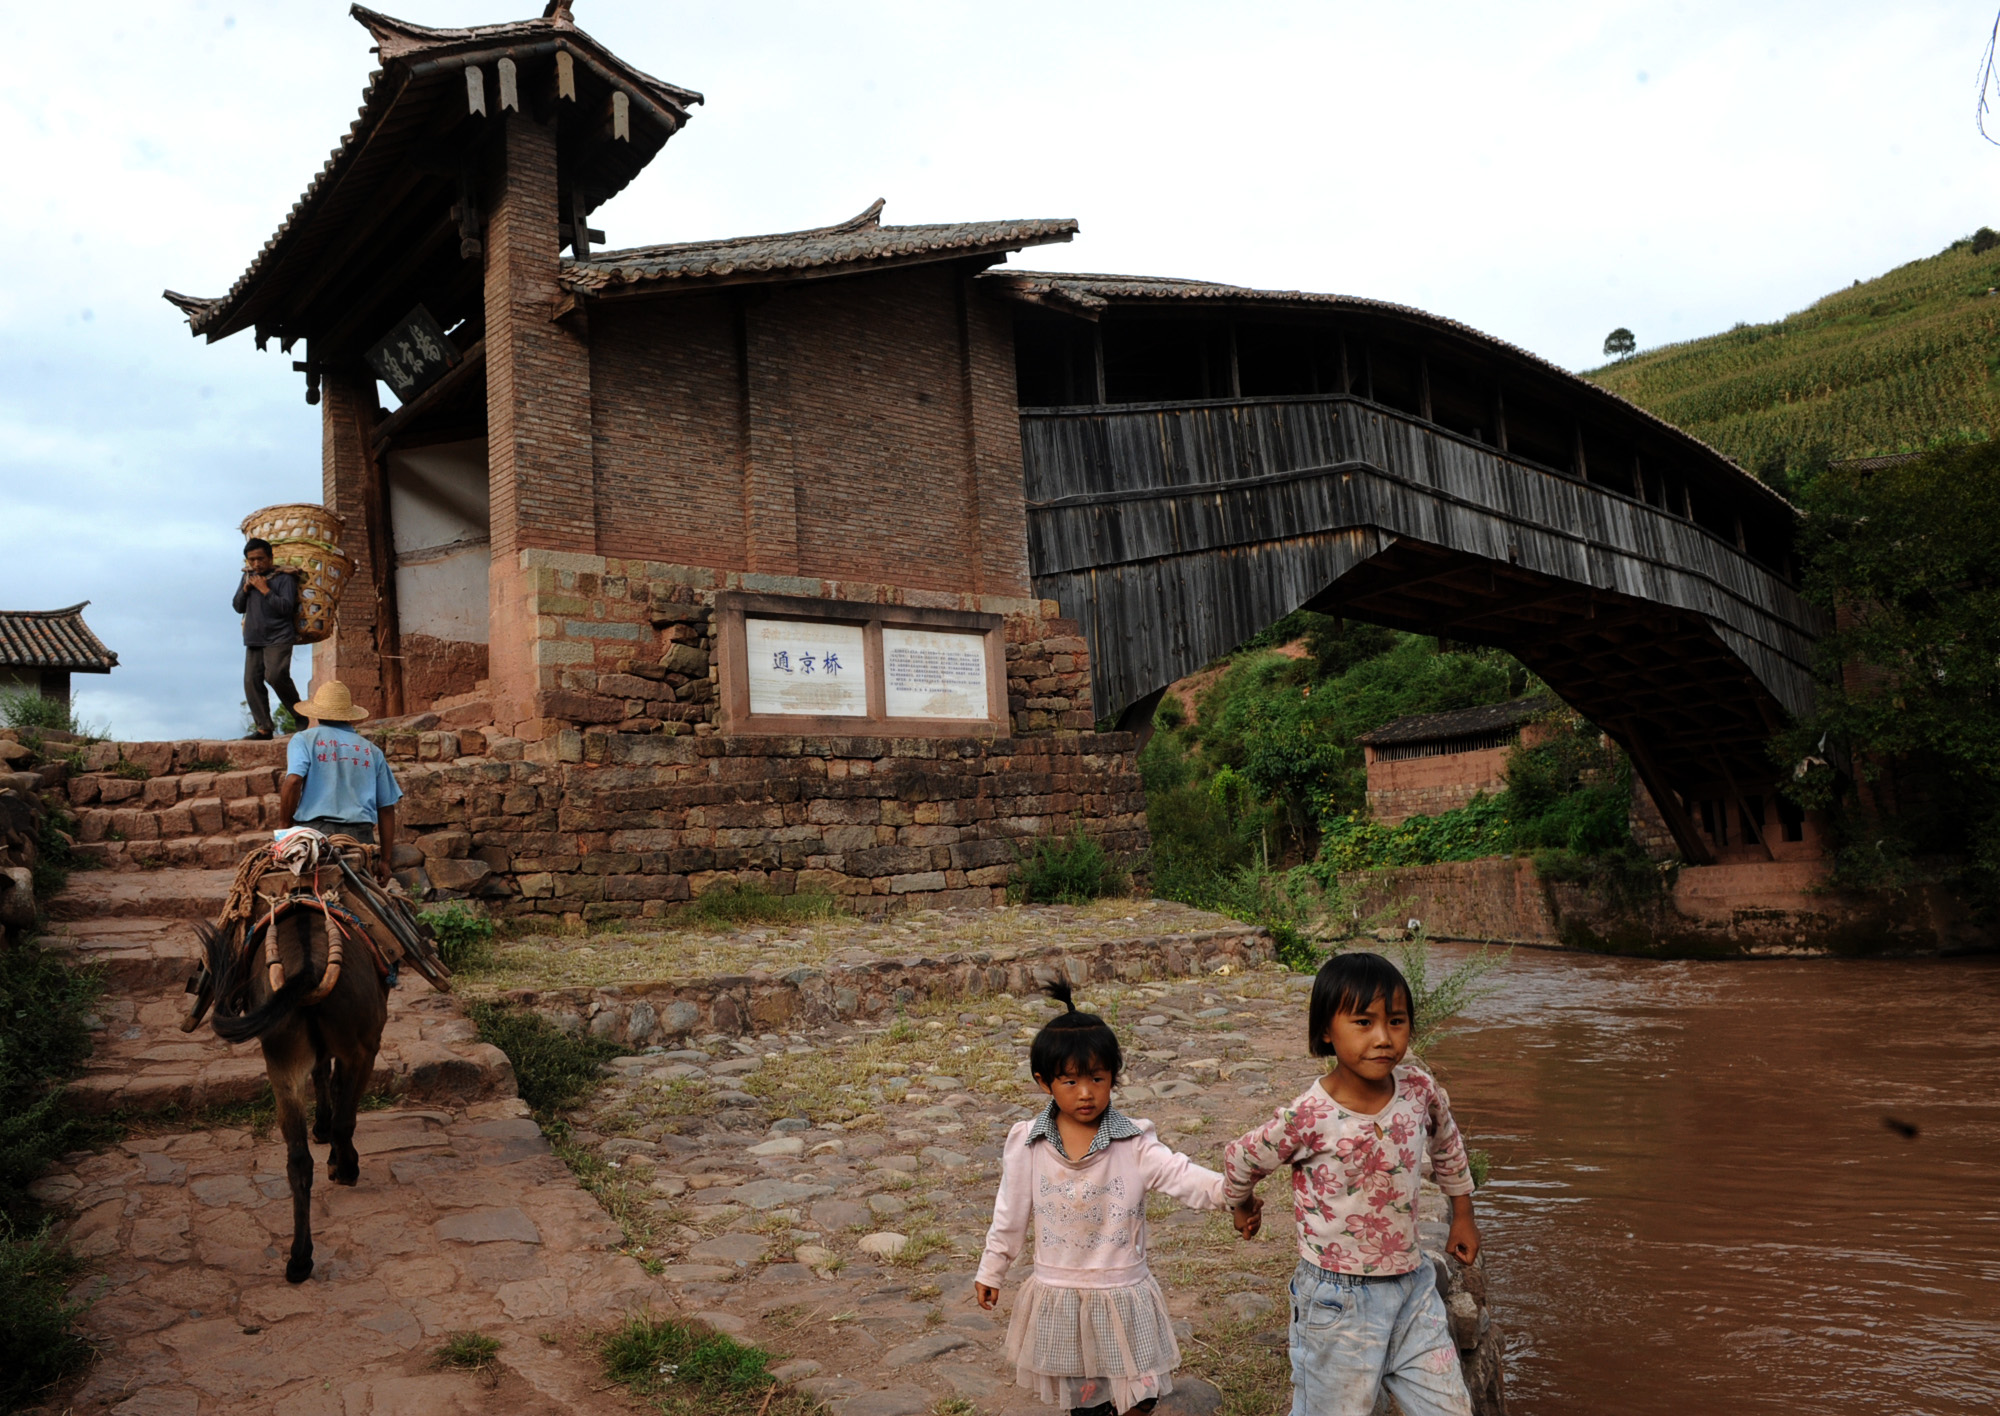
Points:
(268, 600)
(338, 782)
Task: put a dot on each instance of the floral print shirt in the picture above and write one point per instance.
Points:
(1354, 1177)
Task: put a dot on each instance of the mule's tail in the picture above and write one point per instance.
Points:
(231, 968)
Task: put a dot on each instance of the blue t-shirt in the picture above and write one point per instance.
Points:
(347, 777)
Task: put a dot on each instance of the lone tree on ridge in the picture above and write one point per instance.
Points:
(1620, 342)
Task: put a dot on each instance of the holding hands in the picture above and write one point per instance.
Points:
(1248, 1217)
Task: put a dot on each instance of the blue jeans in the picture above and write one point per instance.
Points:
(1351, 1336)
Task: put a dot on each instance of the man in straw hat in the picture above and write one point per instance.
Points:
(337, 781)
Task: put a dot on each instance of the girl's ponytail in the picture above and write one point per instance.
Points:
(1073, 1039)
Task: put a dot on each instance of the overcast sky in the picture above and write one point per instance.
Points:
(1544, 172)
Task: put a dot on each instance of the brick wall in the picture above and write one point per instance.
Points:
(632, 643)
(1426, 786)
(853, 429)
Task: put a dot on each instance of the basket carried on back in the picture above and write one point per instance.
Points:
(305, 539)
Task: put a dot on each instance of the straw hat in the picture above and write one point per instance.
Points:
(331, 703)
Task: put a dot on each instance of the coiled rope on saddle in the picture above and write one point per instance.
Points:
(317, 864)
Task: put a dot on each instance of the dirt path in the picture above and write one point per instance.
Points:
(824, 1194)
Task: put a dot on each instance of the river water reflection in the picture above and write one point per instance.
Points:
(1698, 1200)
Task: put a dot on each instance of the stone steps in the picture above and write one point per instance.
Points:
(97, 895)
(133, 954)
(138, 928)
(143, 1062)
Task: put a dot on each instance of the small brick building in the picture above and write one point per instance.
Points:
(1436, 762)
(767, 490)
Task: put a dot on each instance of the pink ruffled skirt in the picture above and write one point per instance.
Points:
(1085, 1346)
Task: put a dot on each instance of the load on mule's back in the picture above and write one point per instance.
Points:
(302, 959)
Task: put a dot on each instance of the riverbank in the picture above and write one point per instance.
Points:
(1774, 909)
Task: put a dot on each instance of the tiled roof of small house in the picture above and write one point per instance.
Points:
(412, 56)
(859, 243)
(1465, 722)
(52, 639)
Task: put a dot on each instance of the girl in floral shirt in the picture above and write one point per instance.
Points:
(1365, 1304)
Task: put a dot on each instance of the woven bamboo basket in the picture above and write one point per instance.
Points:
(305, 539)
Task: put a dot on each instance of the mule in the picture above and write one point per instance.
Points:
(320, 1025)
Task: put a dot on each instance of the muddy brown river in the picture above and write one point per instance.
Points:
(1739, 1187)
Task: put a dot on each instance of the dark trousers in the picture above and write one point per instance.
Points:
(270, 664)
(362, 831)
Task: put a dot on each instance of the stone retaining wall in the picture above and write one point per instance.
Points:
(601, 824)
(1771, 907)
(644, 1013)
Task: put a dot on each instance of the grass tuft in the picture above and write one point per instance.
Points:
(687, 1369)
(469, 1351)
(753, 902)
(552, 1068)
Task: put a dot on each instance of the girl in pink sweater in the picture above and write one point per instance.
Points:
(1090, 1330)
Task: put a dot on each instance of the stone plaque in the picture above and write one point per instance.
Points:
(931, 674)
(799, 667)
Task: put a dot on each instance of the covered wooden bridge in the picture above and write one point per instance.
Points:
(1202, 459)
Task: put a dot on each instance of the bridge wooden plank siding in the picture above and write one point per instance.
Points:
(1645, 578)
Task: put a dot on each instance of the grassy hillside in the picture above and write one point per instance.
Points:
(1893, 364)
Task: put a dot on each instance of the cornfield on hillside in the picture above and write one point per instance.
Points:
(1893, 365)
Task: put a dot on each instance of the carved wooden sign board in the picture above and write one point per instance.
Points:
(413, 355)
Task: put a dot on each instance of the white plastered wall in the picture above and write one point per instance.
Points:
(438, 509)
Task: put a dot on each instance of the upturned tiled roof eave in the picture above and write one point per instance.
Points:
(52, 639)
(854, 246)
(408, 52)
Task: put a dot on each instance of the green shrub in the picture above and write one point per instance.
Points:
(1435, 999)
(552, 1068)
(36, 713)
(39, 1344)
(44, 1004)
(1067, 870)
(685, 1368)
(753, 902)
(1480, 1163)
(464, 939)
